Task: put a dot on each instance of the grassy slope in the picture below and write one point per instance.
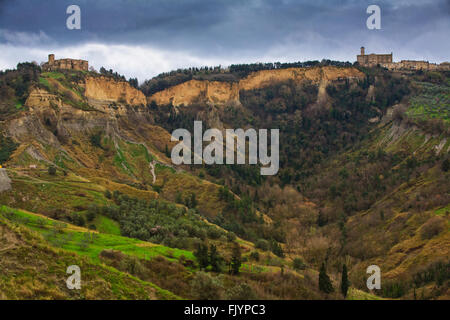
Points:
(32, 269)
(394, 241)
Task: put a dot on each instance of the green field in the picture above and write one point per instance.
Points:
(433, 102)
(88, 243)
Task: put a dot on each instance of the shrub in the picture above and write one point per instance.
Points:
(206, 287)
(231, 236)
(432, 227)
(7, 147)
(241, 292)
(445, 166)
(298, 264)
(108, 194)
(95, 140)
(262, 244)
(276, 249)
(254, 255)
(52, 170)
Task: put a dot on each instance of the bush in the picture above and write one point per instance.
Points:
(298, 264)
(108, 194)
(276, 249)
(52, 170)
(7, 147)
(445, 165)
(96, 140)
(254, 255)
(262, 244)
(432, 227)
(91, 213)
(241, 292)
(231, 236)
(206, 287)
(78, 219)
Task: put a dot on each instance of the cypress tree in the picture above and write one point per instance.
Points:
(202, 255)
(214, 258)
(324, 280)
(344, 281)
(236, 259)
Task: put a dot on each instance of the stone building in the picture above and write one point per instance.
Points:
(373, 59)
(385, 61)
(67, 64)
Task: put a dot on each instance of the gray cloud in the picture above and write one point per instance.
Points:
(224, 31)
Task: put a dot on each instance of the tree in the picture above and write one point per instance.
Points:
(276, 249)
(193, 201)
(52, 170)
(108, 194)
(133, 82)
(178, 197)
(324, 280)
(236, 259)
(167, 152)
(214, 258)
(202, 255)
(445, 165)
(344, 281)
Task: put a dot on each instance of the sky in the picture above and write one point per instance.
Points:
(141, 39)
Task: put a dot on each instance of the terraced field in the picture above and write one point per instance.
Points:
(433, 102)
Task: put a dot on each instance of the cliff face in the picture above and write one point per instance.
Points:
(222, 92)
(42, 98)
(106, 89)
(316, 75)
(198, 91)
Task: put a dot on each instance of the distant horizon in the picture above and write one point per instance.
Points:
(97, 68)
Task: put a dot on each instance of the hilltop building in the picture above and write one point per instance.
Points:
(385, 60)
(67, 64)
(373, 59)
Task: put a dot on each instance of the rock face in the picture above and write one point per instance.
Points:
(316, 75)
(106, 89)
(193, 91)
(40, 97)
(5, 182)
(216, 92)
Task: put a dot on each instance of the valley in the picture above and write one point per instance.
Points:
(87, 179)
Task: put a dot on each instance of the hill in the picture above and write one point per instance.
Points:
(363, 180)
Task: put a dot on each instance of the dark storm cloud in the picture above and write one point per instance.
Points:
(237, 30)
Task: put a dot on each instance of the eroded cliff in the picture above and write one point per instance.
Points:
(216, 92)
(194, 91)
(107, 89)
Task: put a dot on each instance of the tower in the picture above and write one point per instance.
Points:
(51, 58)
(362, 51)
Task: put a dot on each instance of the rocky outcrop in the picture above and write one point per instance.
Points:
(42, 98)
(198, 91)
(316, 75)
(5, 181)
(109, 90)
(203, 91)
